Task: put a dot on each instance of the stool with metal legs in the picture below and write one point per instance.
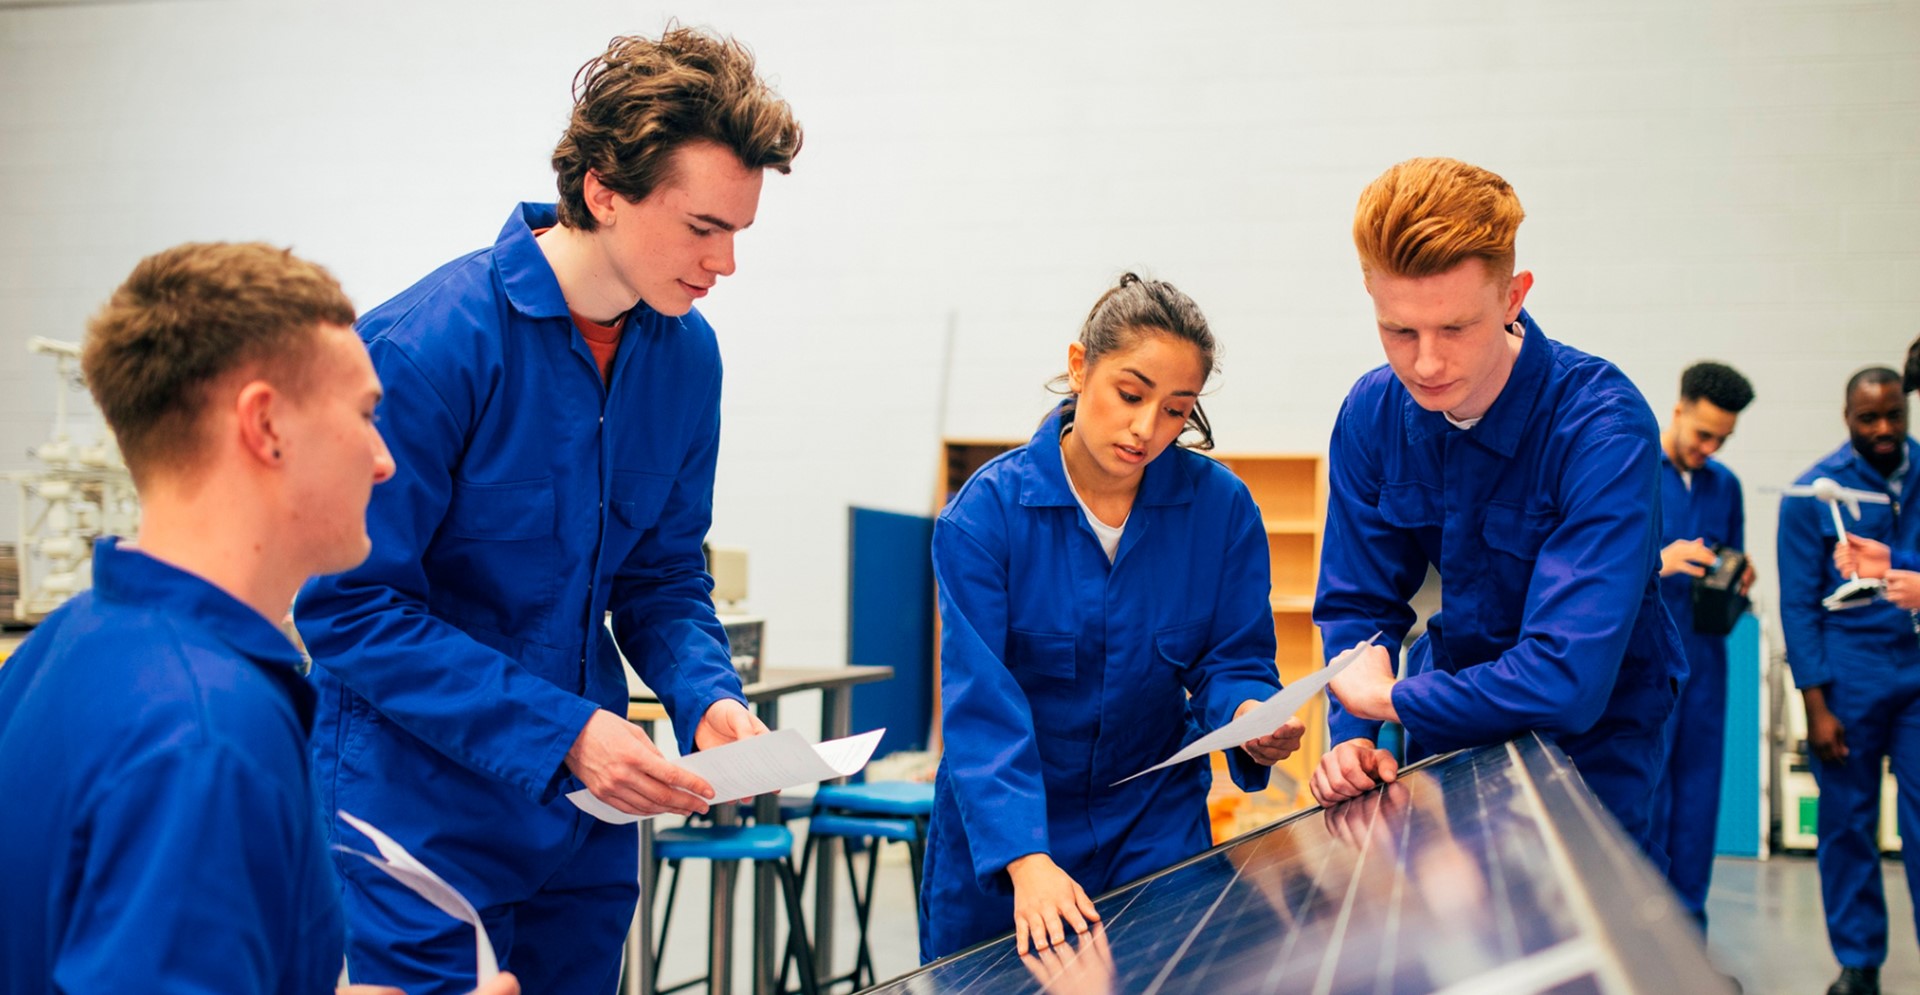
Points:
(866, 833)
(761, 844)
(897, 799)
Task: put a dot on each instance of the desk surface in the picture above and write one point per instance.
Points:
(775, 682)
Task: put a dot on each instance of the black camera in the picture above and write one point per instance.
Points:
(1717, 601)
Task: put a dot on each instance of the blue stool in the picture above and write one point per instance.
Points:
(905, 799)
(908, 800)
(770, 844)
(865, 816)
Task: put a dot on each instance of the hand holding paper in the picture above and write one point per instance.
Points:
(620, 765)
(1365, 689)
(757, 765)
(1265, 717)
(402, 867)
(1275, 746)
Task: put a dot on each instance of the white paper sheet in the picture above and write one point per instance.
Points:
(404, 868)
(1263, 718)
(774, 761)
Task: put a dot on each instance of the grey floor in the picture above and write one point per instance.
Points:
(1766, 928)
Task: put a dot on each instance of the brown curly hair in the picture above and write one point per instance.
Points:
(642, 99)
(188, 316)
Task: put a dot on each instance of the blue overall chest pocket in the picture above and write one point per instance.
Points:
(1180, 645)
(1517, 531)
(1040, 654)
(638, 497)
(1410, 506)
(502, 512)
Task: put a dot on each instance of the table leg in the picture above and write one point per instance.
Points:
(720, 922)
(639, 977)
(639, 973)
(836, 719)
(766, 812)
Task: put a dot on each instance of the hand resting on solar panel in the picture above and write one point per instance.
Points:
(1045, 901)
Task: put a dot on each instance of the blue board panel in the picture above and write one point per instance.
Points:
(1738, 834)
(890, 623)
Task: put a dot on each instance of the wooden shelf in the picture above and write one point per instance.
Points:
(1291, 492)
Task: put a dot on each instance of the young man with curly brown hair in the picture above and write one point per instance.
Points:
(554, 405)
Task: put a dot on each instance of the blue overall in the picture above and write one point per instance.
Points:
(1544, 523)
(457, 665)
(160, 834)
(1061, 674)
(1868, 659)
(1686, 810)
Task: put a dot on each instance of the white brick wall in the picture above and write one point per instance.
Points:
(1730, 180)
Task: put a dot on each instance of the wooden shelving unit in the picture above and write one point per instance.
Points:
(1290, 490)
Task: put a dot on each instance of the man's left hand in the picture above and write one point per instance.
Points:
(1903, 589)
(726, 721)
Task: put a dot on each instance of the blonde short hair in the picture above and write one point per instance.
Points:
(1426, 216)
(188, 316)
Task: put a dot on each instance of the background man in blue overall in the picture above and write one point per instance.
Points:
(1858, 670)
(1528, 473)
(1700, 508)
(554, 402)
(153, 731)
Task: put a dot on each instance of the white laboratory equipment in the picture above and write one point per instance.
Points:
(76, 492)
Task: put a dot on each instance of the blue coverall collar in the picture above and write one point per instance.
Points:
(1850, 458)
(133, 579)
(1045, 482)
(1505, 423)
(531, 287)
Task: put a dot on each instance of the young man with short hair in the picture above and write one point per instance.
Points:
(153, 730)
(1527, 473)
(1858, 669)
(555, 404)
(1700, 510)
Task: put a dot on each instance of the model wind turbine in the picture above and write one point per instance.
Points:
(1855, 591)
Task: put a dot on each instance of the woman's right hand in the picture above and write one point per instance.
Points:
(1045, 897)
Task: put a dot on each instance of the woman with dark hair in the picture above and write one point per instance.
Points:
(1103, 592)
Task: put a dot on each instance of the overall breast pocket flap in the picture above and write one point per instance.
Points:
(1046, 654)
(1517, 531)
(638, 497)
(1180, 645)
(509, 511)
(1410, 506)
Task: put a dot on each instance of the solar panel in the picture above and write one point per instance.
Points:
(1486, 870)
